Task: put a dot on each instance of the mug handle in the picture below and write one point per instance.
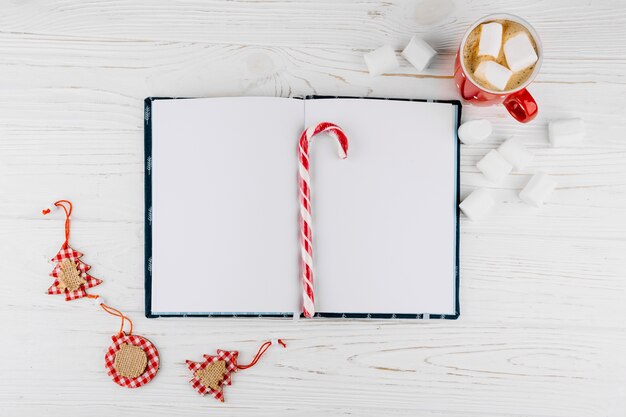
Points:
(521, 105)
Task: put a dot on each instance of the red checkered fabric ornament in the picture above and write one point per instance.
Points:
(210, 375)
(128, 367)
(132, 360)
(67, 260)
(70, 273)
(206, 379)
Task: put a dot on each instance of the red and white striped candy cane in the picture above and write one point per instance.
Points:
(304, 181)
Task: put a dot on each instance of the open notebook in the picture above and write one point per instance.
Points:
(222, 232)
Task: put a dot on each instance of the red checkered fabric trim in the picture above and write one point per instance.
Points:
(230, 357)
(151, 353)
(67, 252)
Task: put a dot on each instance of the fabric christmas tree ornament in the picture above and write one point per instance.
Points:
(210, 375)
(70, 273)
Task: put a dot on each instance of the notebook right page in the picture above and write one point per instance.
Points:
(384, 219)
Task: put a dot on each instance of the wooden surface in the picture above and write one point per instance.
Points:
(542, 328)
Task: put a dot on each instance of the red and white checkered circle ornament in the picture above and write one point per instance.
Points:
(117, 370)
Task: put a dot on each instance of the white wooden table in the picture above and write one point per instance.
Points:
(542, 328)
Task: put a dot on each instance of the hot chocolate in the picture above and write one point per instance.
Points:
(511, 31)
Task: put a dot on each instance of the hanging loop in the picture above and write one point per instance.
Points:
(260, 353)
(66, 205)
(114, 312)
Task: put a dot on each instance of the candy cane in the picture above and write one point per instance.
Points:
(304, 181)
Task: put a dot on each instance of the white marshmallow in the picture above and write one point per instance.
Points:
(519, 52)
(494, 166)
(381, 60)
(566, 131)
(474, 131)
(478, 204)
(538, 189)
(490, 39)
(419, 53)
(515, 153)
(494, 74)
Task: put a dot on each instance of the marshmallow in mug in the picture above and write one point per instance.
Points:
(478, 204)
(419, 53)
(519, 52)
(474, 131)
(566, 131)
(538, 189)
(490, 39)
(381, 60)
(493, 74)
(494, 166)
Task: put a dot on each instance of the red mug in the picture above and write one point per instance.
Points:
(518, 102)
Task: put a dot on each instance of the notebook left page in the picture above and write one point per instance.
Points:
(224, 194)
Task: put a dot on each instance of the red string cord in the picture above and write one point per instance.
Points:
(68, 213)
(260, 353)
(114, 312)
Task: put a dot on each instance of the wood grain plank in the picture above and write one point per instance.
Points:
(541, 331)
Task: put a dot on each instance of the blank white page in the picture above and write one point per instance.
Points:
(224, 205)
(384, 219)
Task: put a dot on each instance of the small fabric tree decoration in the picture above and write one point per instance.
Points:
(210, 375)
(70, 273)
